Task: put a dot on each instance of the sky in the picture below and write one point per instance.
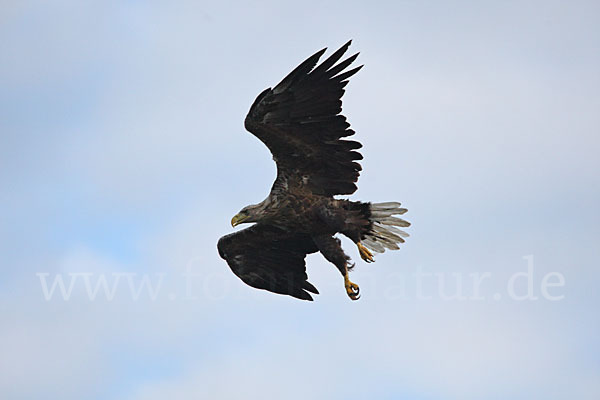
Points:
(123, 157)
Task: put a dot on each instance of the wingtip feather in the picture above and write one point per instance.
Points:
(309, 286)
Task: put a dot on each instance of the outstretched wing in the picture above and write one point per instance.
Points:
(300, 122)
(266, 257)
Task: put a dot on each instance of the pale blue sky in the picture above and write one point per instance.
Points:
(122, 150)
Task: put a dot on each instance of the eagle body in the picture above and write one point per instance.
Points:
(300, 121)
(301, 212)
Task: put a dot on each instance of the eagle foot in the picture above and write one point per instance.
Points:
(365, 253)
(352, 289)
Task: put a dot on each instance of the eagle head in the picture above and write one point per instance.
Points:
(252, 213)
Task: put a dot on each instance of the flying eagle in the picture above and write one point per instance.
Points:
(300, 121)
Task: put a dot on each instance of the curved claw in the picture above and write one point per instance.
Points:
(365, 253)
(352, 290)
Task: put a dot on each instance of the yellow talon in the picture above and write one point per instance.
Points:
(365, 253)
(352, 289)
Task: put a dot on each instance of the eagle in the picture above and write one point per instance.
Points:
(300, 121)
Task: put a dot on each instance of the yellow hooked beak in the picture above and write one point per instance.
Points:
(238, 219)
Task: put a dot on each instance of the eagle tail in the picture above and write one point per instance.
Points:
(384, 232)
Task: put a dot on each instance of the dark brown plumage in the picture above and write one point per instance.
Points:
(299, 121)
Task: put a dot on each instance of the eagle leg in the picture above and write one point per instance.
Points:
(365, 253)
(331, 249)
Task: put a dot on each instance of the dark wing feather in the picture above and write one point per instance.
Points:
(266, 257)
(300, 122)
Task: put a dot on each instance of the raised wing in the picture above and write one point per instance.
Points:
(266, 257)
(300, 122)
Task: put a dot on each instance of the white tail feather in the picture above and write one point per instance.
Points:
(384, 233)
